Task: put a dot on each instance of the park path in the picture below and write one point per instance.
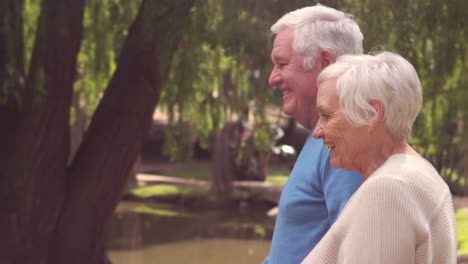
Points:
(267, 191)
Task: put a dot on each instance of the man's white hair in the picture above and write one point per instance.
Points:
(320, 27)
(387, 77)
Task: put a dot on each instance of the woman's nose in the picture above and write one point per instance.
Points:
(318, 131)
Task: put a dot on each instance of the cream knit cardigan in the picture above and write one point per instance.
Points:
(403, 213)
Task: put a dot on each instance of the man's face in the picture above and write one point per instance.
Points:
(297, 85)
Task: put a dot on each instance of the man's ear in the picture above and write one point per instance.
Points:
(379, 108)
(326, 58)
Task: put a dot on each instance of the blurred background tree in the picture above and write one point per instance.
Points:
(217, 85)
(217, 88)
(231, 39)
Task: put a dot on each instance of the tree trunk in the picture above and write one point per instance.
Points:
(263, 160)
(52, 213)
(11, 86)
(34, 169)
(11, 65)
(223, 168)
(100, 170)
(11, 74)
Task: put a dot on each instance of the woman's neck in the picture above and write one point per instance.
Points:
(380, 153)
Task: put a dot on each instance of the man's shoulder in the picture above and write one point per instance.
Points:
(312, 155)
(312, 161)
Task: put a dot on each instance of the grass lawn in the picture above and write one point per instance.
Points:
(461, 216)
(159, 190)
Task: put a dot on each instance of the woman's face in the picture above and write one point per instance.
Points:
(345, 141)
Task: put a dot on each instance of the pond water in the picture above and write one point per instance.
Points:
(156, 233)
(206, 251)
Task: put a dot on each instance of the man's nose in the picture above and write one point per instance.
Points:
(275, 78)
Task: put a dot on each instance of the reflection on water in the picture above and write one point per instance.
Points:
(198, 251)
(141, 235)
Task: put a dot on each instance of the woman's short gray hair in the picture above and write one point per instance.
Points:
(321, 27)
(385, 76)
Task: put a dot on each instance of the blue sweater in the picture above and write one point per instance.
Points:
(312, 199)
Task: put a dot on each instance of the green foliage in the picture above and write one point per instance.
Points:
(206, 90)
(263, 138)
(178, 135)
(212, 78)
(222, 64)
(105, 28)
(31, 11)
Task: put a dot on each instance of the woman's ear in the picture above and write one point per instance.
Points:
(379, 113)
(326, 58)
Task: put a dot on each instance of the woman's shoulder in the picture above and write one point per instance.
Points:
(408, 171)
(410, 180)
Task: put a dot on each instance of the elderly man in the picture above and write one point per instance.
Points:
(306, 41)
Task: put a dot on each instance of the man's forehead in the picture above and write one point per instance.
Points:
(278, 52)
(284, 37)
(282, 49)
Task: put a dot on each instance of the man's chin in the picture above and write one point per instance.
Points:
(303, 121)
(287, 112)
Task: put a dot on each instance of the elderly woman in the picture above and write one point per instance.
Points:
(403, 212)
